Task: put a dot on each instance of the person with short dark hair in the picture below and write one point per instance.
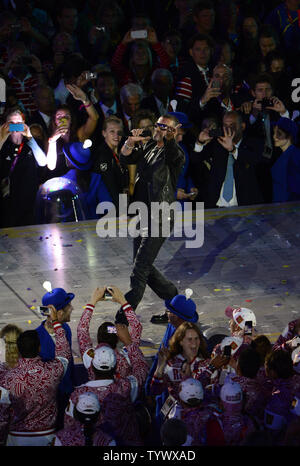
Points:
(279, 367)
(107, 332)
(256, 391)
(173, 433)
(193, 77)
(28, 402)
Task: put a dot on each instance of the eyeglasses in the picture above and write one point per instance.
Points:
(163, 127)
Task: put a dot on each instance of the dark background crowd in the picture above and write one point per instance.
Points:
(77, 71)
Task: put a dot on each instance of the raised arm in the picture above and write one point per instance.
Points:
(83, 328)
(86, 130)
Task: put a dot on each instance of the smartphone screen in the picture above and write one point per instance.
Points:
(16, 127)
(248, 327)
(111, 329)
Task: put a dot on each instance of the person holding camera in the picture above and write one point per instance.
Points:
(260, 115)
(65, 129)
(220, 95)
(141, 66)
(20, 159)
(231, 158)
(60, 302)
(116, 394)
(159, 163)
(107, 331)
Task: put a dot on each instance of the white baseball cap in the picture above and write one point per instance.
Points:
(104, 358)
(191, 389)
(241, 315)
(234, 342)
(231, 392)
(88, 403)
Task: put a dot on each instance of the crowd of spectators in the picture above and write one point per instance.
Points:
(226, 69)
(230, 389)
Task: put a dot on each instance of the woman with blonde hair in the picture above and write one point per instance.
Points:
(10, 334)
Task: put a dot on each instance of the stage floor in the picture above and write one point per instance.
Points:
(250, 258)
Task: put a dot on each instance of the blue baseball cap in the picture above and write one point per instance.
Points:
(58, 297)
(183, 308)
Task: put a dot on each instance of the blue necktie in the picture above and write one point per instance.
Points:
(110, 112)
(228, 182)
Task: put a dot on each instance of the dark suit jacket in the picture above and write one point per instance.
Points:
(114, 177)
(199, 86)
(247, 188)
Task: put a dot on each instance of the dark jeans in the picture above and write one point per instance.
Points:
(145, 250)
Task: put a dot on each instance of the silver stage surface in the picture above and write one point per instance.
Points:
(250, 258)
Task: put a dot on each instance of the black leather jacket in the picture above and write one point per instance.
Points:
(158, 170)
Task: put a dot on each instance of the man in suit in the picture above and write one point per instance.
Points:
(260, 114)
(162, 86)
(45, 102)
(219, 96)
(109, 103)
(193, 77)
(231, 159)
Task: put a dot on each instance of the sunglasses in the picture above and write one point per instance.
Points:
(163, 127)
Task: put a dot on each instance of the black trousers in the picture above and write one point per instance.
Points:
(145, 250)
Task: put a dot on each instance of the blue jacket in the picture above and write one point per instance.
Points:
(185, 181)
(160, 399)
(96, 193)
(47, 353)
(286, 176)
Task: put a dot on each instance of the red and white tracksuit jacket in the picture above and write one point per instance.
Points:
(173, 376)
(124, 367)
(28, 392)
(116, 399)
(74, 437)
(236, 426)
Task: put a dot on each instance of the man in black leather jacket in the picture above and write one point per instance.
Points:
(159, 163)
